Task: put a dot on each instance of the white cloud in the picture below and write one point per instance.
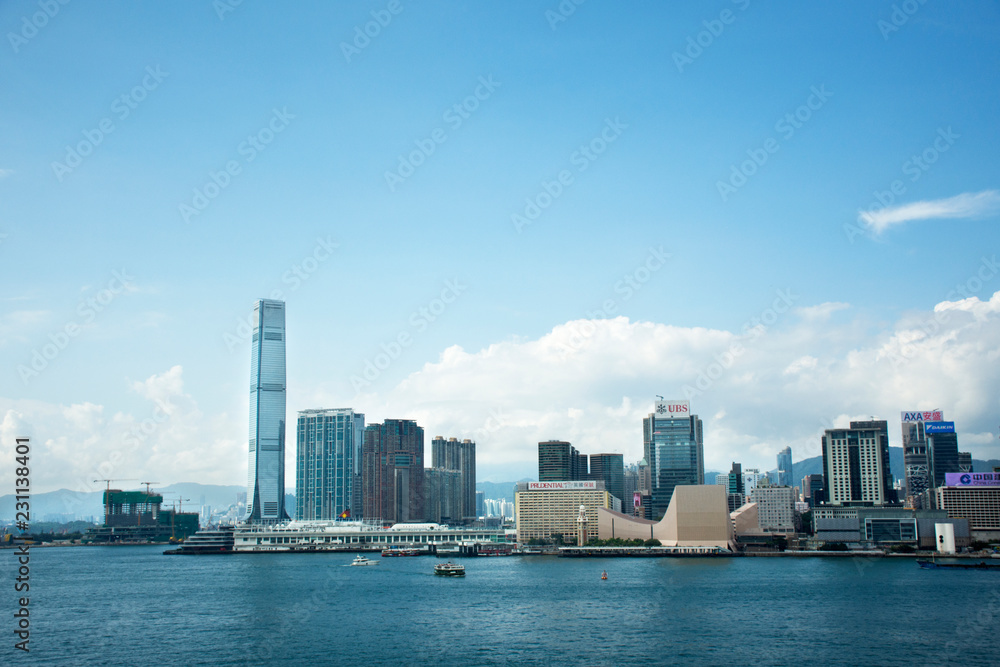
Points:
(822, 311)
(4, 173)
(965, 205)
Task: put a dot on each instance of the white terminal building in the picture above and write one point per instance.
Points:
(333, 535)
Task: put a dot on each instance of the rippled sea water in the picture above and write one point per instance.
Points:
(135, 606)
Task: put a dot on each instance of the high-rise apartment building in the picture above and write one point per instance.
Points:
(785, 467)
(856, 465)
(266, 466)
(327, 463)
(610, 469)
(673, 447)
(452, 454)
(392, 471)
(442, 495)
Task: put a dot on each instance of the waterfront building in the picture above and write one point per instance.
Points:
(973, 496)
(785, 467)
(673, 447)
(327, 463)
(544, 509)
(697, 520)
(452, 454)
(610, 469)
(266, 473)
(856, 464)
(883, 526)
(310, 536)
(480, 504)
(136, 517)
(393, 471)
(775, 508)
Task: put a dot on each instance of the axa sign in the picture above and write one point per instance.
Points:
(672, 409)
(916, 416)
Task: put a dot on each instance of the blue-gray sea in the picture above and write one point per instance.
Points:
(136, 606)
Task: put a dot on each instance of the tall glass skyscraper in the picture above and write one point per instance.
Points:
(327, 463)
(785, 467)
(673, 446)
(266, 475)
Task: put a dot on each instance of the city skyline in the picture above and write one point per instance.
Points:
(786, 215)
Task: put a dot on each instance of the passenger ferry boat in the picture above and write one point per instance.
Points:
(210, 541)
(393, 553)
(449, 569)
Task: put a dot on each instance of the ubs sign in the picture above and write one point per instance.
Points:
(673, 409)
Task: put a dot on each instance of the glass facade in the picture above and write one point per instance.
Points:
(785, 467)
(327, 463)
(266, 469)
(674, 449)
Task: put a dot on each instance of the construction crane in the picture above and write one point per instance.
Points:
(179, 502)
(148, 484)
(115, 480)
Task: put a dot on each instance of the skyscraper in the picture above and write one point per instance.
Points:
(610, 468)
(393, 471)
(327, 462)
(452, 454)
(558, 461)
(915, 458)
(673, 446)
(266, 474)
(856, 465)
(942, 450)
(785, 467)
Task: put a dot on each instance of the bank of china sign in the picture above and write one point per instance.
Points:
(972, 479)
(673, 409)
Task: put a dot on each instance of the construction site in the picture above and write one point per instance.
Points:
(137, 517)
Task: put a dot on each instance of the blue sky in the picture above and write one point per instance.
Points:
(199, 81)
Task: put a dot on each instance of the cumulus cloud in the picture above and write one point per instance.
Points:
(965, 205)
(169, 440)
(592, 381)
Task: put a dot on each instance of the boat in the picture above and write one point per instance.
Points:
(393, 553)
(935, 565)
(360, 560)
(449, 569)
(209, 541)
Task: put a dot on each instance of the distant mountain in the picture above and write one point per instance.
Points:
(503, 490)
(63, 505)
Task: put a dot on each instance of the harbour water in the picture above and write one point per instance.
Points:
(135, 606)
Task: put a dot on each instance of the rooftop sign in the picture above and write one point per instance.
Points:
(972, 479)
(673, 409)
(560, 486)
